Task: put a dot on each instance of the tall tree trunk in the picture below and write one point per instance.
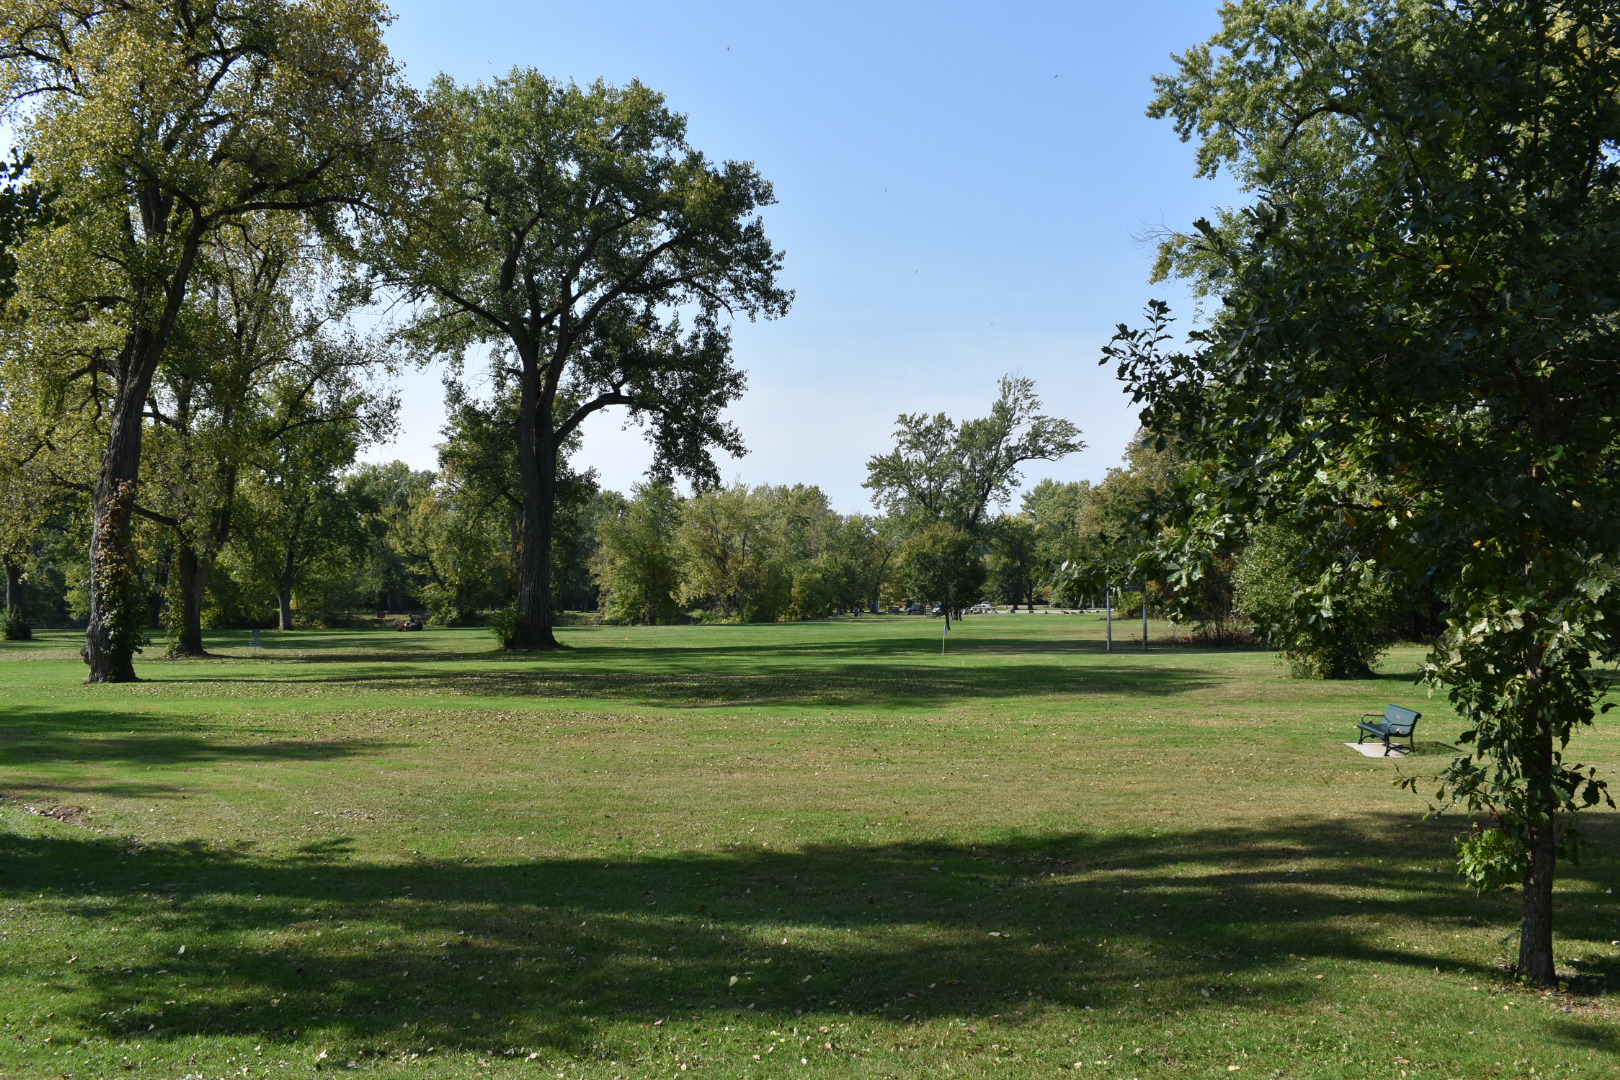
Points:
(17, 601)
(284, 586)
(1535, 926)
(194, 570)
(537, 466)
(109, 639)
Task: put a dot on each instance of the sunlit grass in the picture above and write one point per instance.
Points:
(823, 844)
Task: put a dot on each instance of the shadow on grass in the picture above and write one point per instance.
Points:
(538, 954)
(914, 638)
(763, 683)
(81, 736)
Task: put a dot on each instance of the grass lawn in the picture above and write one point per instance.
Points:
(799, 850)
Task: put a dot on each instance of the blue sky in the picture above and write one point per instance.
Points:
(962, 192)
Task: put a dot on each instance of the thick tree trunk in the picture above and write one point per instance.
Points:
(109, 645)
(17, 601)
(537, 466)
(284, 587)
(1535, 925)
(194, 570)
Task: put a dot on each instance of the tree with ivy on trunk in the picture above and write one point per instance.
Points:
(571, 229)
(156, 121)
(1417, 348)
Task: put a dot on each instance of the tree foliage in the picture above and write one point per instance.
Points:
(942, 471)
(156, 123)
(1416, 349)
(1327, 629)
(636, 561)
(570, 230)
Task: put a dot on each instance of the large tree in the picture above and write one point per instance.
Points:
(158, 121)
(1418, 350)
(949, 474)
(571, 230)
(942, 471)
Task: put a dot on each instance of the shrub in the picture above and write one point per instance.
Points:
(1329, 618)
(504, 625)
(14, 625)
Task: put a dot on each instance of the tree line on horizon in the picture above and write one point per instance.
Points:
(318, 540)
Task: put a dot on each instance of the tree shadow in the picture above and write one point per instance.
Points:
(764, 683)
(539, 953)
(81, 736)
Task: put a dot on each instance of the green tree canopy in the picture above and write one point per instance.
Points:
(156, 122)
(571, 230)
(1416, 347)
(942, 471)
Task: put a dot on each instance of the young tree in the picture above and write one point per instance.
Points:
(863, 556)
(297, 512)
(1325, 634)
(941, 471)
(461, 551)
(1054, 507)
(25, 503)
(392, 576)
(1417, 343)
(157, 121)
(728, 555)
(1014, 551)
(636, 563)
(574, 226)
(940, 563)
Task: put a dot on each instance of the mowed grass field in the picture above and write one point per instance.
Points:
(818, 850)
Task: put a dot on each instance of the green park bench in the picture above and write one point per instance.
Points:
(1394, 723)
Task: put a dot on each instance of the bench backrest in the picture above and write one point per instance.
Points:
(1400, 720)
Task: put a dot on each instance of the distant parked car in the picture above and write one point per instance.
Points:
(982, 609)
(914, 609)
(938, 610)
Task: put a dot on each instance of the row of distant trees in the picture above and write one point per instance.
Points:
(314, 538)
(299, 535)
